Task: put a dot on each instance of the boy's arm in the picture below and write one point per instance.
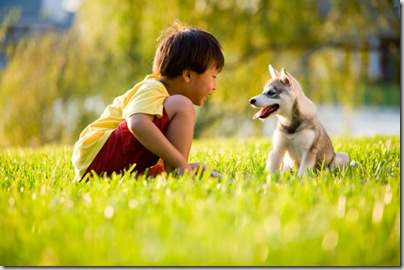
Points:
(148, 134)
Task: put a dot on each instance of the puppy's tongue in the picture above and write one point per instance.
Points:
(260, 113)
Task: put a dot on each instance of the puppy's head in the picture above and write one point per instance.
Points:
(277, 94)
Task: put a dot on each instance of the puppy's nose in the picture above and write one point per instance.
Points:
(252, 101)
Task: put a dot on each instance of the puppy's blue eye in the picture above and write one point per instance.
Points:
(271, 93)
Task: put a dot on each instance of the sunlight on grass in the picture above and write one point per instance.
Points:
(347, 218)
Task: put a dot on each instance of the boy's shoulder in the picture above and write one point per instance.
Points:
(145, 97)
(149, 87)
(150, 81)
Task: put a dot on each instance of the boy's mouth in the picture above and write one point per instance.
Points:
(266, 111)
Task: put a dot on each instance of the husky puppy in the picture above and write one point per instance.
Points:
(299, 137)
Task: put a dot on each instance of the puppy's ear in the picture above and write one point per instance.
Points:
(285, 78)
(274, 73)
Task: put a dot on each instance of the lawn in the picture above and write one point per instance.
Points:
(247, 218)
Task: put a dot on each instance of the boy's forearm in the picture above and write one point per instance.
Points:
(153, 139)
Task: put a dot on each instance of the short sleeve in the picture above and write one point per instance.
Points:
(148, 99)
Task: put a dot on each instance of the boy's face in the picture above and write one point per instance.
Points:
(202, 85)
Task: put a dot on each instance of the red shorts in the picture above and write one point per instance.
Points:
(122, 150)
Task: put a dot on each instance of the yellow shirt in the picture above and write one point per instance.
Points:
(146, 97)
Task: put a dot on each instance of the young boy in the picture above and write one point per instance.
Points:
(155, 119)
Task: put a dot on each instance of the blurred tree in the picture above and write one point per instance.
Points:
(55, 85)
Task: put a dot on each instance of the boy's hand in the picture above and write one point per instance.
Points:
(197, 165)
(215, 174)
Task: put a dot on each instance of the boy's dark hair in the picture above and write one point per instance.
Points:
(187, 48)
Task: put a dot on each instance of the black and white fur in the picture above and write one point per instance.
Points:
(299, 137)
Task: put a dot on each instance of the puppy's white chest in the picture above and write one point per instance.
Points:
(300, 143)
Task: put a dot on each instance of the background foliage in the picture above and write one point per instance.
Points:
(55, 85)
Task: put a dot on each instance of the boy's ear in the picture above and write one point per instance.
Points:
(186, 75)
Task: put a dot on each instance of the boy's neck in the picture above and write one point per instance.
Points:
(174, 86)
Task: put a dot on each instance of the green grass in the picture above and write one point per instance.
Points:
(348, 218)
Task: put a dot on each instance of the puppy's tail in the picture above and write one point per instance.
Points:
(340, 160)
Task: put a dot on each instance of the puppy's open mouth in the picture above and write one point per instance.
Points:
(265, 112)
